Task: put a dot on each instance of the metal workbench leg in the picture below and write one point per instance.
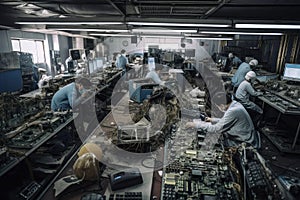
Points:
(296, 136)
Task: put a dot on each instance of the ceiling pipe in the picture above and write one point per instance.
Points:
(215, 9)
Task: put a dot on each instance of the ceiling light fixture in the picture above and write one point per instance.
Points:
(116, 35)
(46, 31)
(210, 38)
(72, 23)
(268, 26)
(90, 29)
(137, 30)
(162, 36)
(238, 33)
(179, 24)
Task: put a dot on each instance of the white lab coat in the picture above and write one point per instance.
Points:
(243, 93)
(236, 123)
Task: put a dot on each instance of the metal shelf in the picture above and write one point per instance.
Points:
(27, 153)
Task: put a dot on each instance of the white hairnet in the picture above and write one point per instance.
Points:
(253, 62)
(250, 75)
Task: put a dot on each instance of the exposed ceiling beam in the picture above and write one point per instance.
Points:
(116, 7)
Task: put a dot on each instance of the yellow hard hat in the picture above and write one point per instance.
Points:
(87, 167)
(91, 148)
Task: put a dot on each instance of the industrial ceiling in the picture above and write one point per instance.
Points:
(127, 15)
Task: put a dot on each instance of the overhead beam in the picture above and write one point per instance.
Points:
(215, 9)
(116, 7)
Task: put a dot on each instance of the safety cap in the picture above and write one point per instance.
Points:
(253, 62)
(250, 75)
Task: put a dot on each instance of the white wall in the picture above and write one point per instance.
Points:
(63, 47)
(116, 45)
(5, 42)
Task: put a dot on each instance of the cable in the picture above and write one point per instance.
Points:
(286, 168)
(155, 165)
(144, 165)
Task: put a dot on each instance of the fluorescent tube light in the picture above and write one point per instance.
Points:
(106, 34)
(210, 38)
(90, 29)
(161, 36)
(178, 24)
(163, 30)
(129, 35)
(270, 26)
(238, 33)
(72, 23)
(46, 31)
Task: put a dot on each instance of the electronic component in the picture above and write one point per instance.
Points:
(29, 191)
(198, 175)
(126, 196)
(14, 111)
(169, 192)
(282, 103)
(30, 134)
(291, 184)
(133, 133)
(190, 113)
(6, 160)
(126, 178)
(140, 89)
(255, 178)
(93, 196)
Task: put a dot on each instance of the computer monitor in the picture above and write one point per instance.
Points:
(168, 57)
(151, 63)
(222, 60)
(291, 72)
(91, 67)
(99, 63)
(75, 54)
(71, 67)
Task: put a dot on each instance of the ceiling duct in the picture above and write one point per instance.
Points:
(88, 9)
(32, 9)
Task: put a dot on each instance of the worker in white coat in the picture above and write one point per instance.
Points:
(245, 90)
(236, 124)
(243, 69)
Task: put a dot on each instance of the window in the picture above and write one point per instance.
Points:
(35, 47)
(40, 51)
(15, 45)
